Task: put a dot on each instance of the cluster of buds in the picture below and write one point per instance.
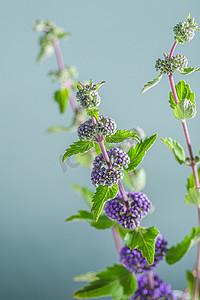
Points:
(105, 126)
(185, 31)
(161, 289)
(88, 95)
(170, 64)
(136, 263)
(102, 174)
(139, 206)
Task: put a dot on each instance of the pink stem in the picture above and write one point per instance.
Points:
(150, 280)
(185, 293)
(66, 83)
(195, 172)
(117, 238)
(172, 50)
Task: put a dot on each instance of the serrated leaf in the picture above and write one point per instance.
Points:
(136, 180)
(144, 240)
(138, 152)
(185, 109)
(116, 282)
(86, 193)
(191, 181)
(183, 91)
(151, 84)
(102, 194)
(94, 112)
(88, 277)
(61, 98)
(188, 71)
(103, 221)
(77, 147)
(193, 196)
(122, 231)
(176, 149)
(175, 253)
(121, 135)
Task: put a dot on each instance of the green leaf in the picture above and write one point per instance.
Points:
(88, 277)
(116, 282)
(77, 147)
(176, 149)
(58, 129)
(188, 71)
(152, 83)
(185, 109)
(85, 159)
(174, 254)
(97, 148)
(193, 196)
(61, 98)
(86, 193)
(94, 112)
(183, 91)
(144, 240)
(45, 52)
(138, 152)
(103, 221)
(136, 180)
(122, 231)
(191, 283)
(191, 181)
(121, 135)
(102, 194)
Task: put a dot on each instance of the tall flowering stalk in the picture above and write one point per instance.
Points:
(182, 101)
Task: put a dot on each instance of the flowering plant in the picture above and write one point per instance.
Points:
(115, 156)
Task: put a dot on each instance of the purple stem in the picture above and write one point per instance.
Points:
(150, 279)
(195, 172)
(66, 83)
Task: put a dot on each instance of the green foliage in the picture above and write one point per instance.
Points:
(152, 83)
(51, 32)
(103, 221)
(188, 71)
(185, 109)
(86, 193)
(122, 231)
(174, 254)
(61, 98)
(56, 128)
(144, 240)
(138, 152)
(94, 112)
(97, 148)
(88, 277)
(85, 159)
(116, 282)
(183, 92)
(121, 135)
(68, 72)
(191, 283)
(191, 181)
(176, 149)
(102, 194)
(77, 147)
(136, 180)
(193, 196)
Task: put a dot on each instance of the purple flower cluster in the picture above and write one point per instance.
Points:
(102, 175)
(136, 263)
(86, 131)
(106, 126)
(88, 96)
(162, 290)
(185, 30)
(139, 206)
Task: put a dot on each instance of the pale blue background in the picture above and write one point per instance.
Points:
(114, 41)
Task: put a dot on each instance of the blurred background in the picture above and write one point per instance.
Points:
(114, 41)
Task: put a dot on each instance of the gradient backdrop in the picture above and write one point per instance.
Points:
(114, 41)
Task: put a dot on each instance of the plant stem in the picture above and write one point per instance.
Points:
(67, 82)
(195, 172)
(117, 238)
(150, 280)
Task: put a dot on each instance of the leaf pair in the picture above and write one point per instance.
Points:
(116, 282)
